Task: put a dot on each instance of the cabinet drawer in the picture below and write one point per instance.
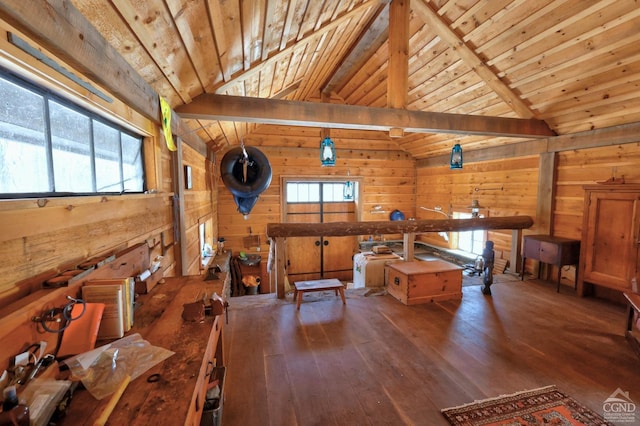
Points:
(549, 253)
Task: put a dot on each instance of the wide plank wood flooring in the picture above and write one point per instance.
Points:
(375, 361)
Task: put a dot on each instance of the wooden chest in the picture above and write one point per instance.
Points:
(422, 282)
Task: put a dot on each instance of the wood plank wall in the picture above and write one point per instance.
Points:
(37, 240)
(504, 187)
(453, 189)
(200, 206)
(387, 176)
(585, 167)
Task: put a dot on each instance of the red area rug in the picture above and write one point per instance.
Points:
(544, 406)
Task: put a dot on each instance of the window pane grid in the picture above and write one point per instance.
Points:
(48, 146)
(315, 192)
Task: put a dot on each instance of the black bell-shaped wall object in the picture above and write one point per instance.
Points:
(246, 176)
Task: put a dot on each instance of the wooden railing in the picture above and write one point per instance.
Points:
(409, 228)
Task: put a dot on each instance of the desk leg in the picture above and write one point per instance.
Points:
(344, 301)
(522, 269)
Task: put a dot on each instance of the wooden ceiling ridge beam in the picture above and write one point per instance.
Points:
(259, 67)
(430, 16)
(61, 29)
(339, 116)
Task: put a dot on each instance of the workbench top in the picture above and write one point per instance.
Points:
(178, 394)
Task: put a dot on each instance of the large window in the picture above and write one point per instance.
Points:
(49, 146)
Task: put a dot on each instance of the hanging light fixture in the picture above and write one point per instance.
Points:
(475, 208)
(327, 152)
(456, 157)
(347, 191)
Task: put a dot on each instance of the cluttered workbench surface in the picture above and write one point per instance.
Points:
(174, 329)
(187, 341)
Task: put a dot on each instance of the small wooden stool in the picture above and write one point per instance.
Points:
(317, 285)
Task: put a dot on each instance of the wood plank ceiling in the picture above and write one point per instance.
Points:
(573, 64)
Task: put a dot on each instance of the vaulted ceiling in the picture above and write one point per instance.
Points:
(571, 65)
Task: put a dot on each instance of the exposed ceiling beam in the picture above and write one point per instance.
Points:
(425, 10)
(338, 116)
(398, 72)
(609, 136)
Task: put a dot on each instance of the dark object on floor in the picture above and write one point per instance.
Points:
(488, 256)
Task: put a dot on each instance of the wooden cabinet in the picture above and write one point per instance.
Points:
(609, 254)
(555, 251)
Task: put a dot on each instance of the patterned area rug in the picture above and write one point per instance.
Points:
(544, 406)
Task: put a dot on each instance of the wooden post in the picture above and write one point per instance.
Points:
(407, 243)
(280, 266)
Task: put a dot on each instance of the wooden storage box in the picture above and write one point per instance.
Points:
(422, 282)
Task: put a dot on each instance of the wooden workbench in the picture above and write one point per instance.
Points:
(179, 394)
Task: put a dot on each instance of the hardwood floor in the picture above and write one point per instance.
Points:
(376, 361)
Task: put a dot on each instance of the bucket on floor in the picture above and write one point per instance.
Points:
(251, 289)
(251, 284)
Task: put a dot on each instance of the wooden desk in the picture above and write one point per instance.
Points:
(551, 250)
(179, 394)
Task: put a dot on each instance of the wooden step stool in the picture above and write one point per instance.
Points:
(317, 285)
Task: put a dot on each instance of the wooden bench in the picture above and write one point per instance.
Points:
(317, 285)
(633, 309)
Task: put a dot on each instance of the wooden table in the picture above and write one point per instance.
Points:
(317, 285)
(551, 250)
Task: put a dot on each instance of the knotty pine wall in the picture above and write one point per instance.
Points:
(586, 167)
(41, 237)
(201, 203)
(518, 178)
(504, 187)
(386, 174)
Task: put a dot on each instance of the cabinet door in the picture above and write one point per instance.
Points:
(611, 239)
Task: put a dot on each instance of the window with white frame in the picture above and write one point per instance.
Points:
(50, 146)
(314, 192)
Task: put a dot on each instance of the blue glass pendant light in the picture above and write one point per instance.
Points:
(456, 157)
(327, 152)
